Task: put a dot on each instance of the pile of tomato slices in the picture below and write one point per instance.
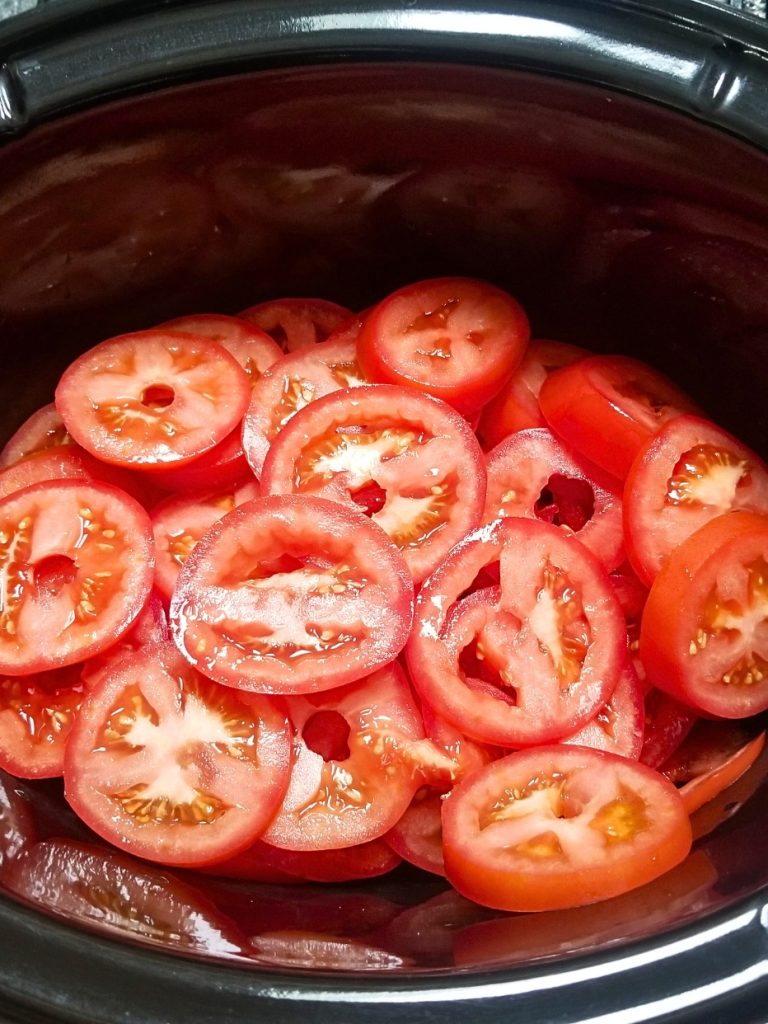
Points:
(304, 592)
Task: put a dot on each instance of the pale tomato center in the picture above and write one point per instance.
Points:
(707, 475)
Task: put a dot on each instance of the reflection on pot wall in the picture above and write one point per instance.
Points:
(614, 228)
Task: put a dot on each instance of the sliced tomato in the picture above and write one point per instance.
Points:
(704, 634)
(76, 565)
(152, 399)
(173, 767)
(618, 727)
(688, 473)
(106, 890)
(289, 385)
(179, 522)
(348, 785)
(36, 716)
(43, 430)
(451, 337)
(17, 822)
(295, 324)
(253, 348)
(516, 407)
(667, 723)
(149, 630)
(418, 836)
(561, 827)
(69, 462)
(711, 758)
(446, 755)
(531, 475)
(221, 467)
(292, 594)
(408, 459)
(552, 644)
(607, 407)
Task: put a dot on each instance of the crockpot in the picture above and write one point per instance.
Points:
(605, 161)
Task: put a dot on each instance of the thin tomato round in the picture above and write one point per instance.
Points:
(291, 383)
(607, 407)
(451, 337)
(561, 827)
(172, 767)
(292, 594)
(295, 324)
(253, 348)
(552, 645)
(690, 472)
(704, 633)
(618, 727)
(43, 430)
(516, 407)
(152, 399)
(407, 458)
(36, 716)
(178, 523)
(349, 784)
(76, 563)
(531, 475)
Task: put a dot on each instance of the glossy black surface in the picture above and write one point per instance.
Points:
(622, 225)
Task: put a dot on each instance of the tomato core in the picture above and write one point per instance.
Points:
(327, 733)
(566, 501)
(53, 573)
(158, 396)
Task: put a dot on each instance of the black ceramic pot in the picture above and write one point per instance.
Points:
(605, 162)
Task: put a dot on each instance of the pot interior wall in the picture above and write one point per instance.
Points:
(619, 225)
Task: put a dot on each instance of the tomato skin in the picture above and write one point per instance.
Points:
(152, 399)
(710, 653)
(530, 463)
(516, 407)
(172, 767)
(467, 372)
(607, 407)
(241, 630)
(61, 612)
(543, 856)
(545, 709)
(690, 472)
(431, 461)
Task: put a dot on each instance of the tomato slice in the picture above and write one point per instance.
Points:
(618, 727)
(607, 407)
(152, 399)
(410, 460)
(418, 836)
(149, 630)
(451, 337)
(76, 566)
(552, 644)
(667, 723)
(108, 891)
(688, 473)
(289, 385)
(348, 785)
(516, 407)
(69, 462)
(36, 716)
(253, 348)
(704, 634)
(295, 324)
(290, 595)
(531, 475)
(43, 430)
(712, 757)
(173, 767)
(560, 827)
(178, 523)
